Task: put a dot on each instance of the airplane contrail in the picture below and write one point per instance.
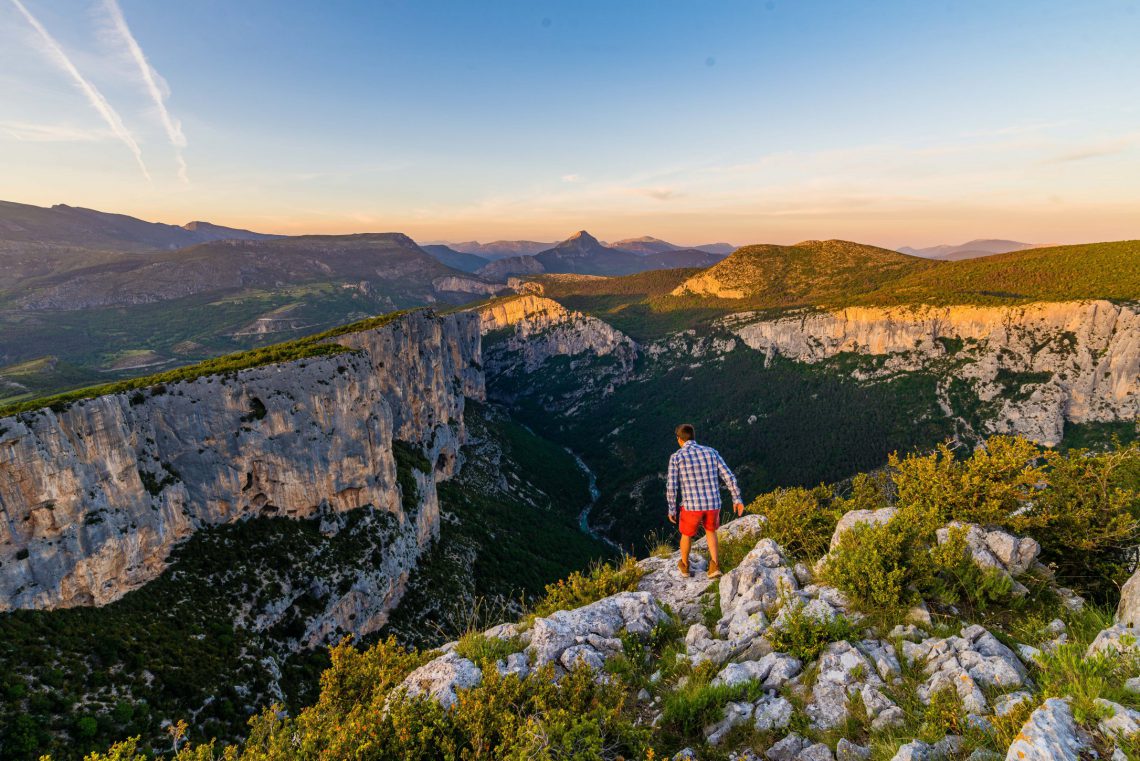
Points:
(98, 102)
(172, 126)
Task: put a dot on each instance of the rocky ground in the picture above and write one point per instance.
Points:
(851, 690)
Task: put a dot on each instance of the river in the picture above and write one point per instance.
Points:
(584, 516)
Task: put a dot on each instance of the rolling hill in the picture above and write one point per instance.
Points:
(113, 315)
(455, 259)
(1057, 273)
(808, 273)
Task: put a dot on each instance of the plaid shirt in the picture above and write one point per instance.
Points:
(693, 470)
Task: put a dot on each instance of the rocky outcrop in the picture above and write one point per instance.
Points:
(93, 497)
(1128, 611)
(966, 664)
(1050, 734)
(1039, 364)
(540, 328)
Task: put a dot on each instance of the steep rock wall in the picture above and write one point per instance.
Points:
(1083, 358)
(538, 328)
(93, 498)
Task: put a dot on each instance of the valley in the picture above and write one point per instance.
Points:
(425, 474)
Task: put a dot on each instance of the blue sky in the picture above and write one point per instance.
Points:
(886, 122)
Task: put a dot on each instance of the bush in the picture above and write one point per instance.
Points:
(880, 566)
(800, 520)
(578, 589)
(804, 636)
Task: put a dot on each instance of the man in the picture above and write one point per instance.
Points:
(693, 470)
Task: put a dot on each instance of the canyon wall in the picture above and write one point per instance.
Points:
(93, 497)
(1040, 365)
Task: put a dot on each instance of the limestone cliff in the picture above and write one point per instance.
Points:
(1038, 365)
(539, 328)
(93, 497)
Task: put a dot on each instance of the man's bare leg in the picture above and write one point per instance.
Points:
(710, 536)
(686, 545)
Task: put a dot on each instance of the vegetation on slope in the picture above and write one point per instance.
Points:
(1060, 273)
(316, 345)
(498, 547)
(807, 274)
(838, 273)
(186, 645)
(360, 714)
(777, 423)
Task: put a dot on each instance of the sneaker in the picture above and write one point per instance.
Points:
(714, 571)
(683, 567)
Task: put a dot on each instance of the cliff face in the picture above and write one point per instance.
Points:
(539, 328)
(93, 498)
(1039, 365)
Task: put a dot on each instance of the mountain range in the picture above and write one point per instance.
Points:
(583, 254)
(970, 249)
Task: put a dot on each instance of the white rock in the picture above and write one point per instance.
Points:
(756, 585)
(1006, 703)
(787, 749)
(816, 752)
(771, 712)
(735, 713)
(635, 612)
(1050, 734)
(515, 663)
(1128, 611)
(845, 750)
(856, 517)
(843, 671)
(1120, 721)
(442, 677)
(1118, 637)
(772, 671)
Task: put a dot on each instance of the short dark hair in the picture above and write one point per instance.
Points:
(685, 432)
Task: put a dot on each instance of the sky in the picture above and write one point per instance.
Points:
(893, 123)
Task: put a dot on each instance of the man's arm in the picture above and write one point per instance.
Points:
(672, 483)
(729, 479)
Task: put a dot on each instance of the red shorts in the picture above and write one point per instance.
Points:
(691, 521)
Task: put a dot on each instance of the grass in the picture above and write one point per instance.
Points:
(317, 345)
(485, 651)
(583, 588)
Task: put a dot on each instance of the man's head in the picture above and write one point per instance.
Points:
(685, 433)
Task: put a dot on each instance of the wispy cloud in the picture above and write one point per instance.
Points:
(1095, 150)
(660, 194)
(94, 97)
(571, 178)
(52, 133)
(157, 92)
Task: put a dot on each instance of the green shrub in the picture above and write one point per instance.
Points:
(880, 566)
(688, 709)
(800, 520)
(578, 589)
(804, 636)
(483, 650)
(957, 578)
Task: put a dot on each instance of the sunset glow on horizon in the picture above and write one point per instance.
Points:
(889, 123)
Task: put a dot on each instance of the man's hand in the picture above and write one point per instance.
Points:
(673, 519)
(738, 508)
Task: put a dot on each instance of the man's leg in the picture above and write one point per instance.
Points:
(710, 536)
(686, 545)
